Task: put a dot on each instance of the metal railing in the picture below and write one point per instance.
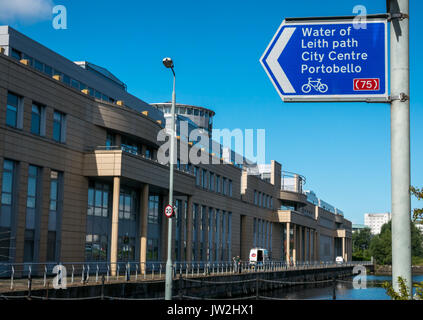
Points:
(14, 276)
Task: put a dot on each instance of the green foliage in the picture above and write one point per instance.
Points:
(361, 255)
(403, 293)
(403, 290)
(381, 245)
(361, 240)
(418, 193)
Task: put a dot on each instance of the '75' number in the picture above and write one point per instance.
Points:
(366, 84)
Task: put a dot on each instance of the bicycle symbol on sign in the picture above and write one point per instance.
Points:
(316, 85)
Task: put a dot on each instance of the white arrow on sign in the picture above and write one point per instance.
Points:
(272, 59)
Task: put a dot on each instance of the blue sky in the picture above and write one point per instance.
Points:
(342, 148)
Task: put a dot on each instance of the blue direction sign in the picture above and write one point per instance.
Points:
(329, 60)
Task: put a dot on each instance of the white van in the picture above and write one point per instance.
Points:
(339, 260)
(258, 256)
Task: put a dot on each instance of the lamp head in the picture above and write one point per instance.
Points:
(168, 63)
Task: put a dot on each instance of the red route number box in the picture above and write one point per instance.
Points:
(366, 84)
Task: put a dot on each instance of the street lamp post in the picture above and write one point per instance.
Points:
(168, 63)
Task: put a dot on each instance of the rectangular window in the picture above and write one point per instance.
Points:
(203, 179)
(126, 204)
(59, 126)
(217, 183)
(197, 175)
(38, 119)
(230, 188)
(98, 200)
(110, 140)
(54, 214)
(48, 70)
(66, 79)
(229, 237)
(12, 110)
(210, 229)
(7, 183)
(16, 54)
(211, 184)
(153, 209)
(39, 65)
(224, 186)
(31, 200)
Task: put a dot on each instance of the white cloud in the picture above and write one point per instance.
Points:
(25, 10)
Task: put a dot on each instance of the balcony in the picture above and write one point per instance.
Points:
(113, 161)
(295, 217)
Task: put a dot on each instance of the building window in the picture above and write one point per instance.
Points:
(96, 247)
(31, 214)
(14, 111)
(110, 140)
(210, 231)
(38, 119)
(32, 187)
(7, 188)
(152, 249)
(197, 175)
(54, 218)
(129, 145)
(98, 199)
(59, 126)
(126, 204)
(230, 188)
(153, 209)
(16, 54)
(217, 183)
(7, 182)
(126, 251)
(211, 184)
(48, 70)
(204, 179)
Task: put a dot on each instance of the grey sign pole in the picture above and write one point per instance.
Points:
(400, 143)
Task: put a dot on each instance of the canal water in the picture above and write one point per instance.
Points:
(344, 290)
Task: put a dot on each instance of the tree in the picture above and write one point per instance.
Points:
(381, 245)
(361, 239)
(361, 244)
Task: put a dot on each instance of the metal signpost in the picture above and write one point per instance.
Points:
(338, 59)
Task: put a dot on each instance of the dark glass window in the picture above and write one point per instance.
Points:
(75, 84)
(31, 199)
(39, 65)
(16, 54)
(7, 182)
(51, 246)
(126, 204)
(66, 79)
(152, 249)
(98, 199)
(36, 119)
(58, 126)
(153, 209)
(48, 70)
(110, 140)
(29, 246)
(12, 110)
